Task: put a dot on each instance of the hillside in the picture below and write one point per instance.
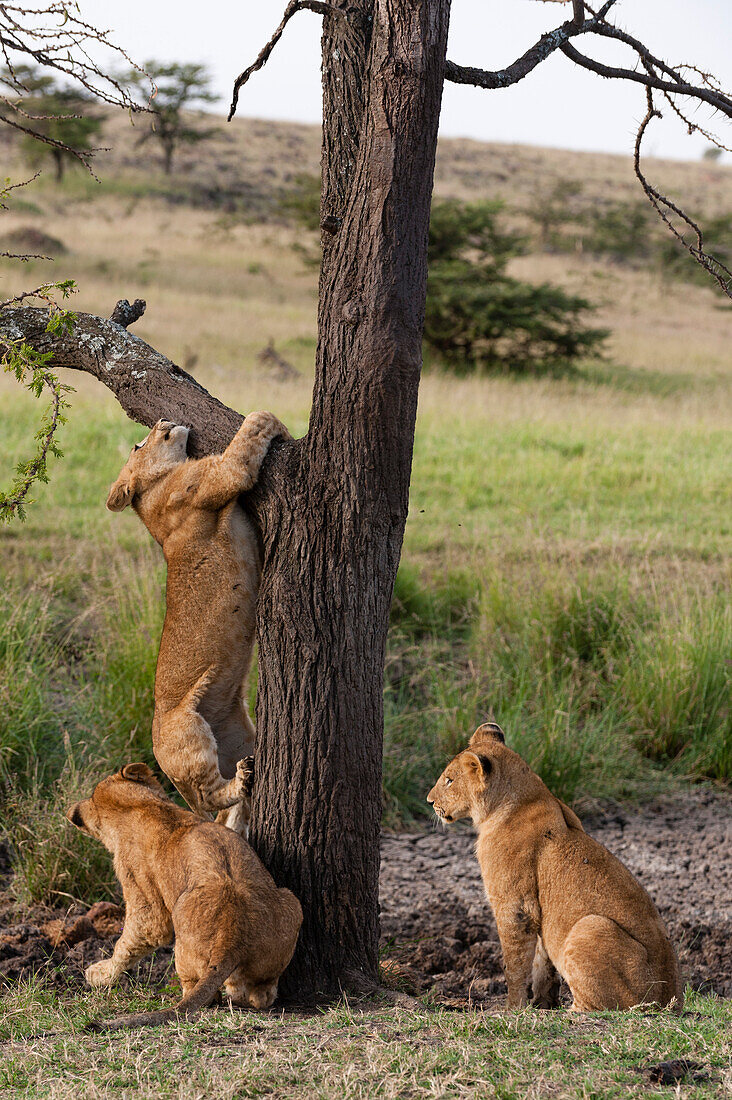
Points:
(248, 164)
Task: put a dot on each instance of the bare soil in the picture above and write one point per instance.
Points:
(438, 934)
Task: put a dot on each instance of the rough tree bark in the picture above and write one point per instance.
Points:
(332, 506)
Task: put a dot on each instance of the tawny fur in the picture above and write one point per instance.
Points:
(201, 727)
(561, 900)
(195, 881)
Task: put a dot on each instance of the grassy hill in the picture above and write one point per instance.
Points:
(248, 164)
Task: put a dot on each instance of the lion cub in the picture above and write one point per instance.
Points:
(556, 893)
(195, 880)
(201, 728)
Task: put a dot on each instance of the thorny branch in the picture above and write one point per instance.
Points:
(55, 37)
(664, 206)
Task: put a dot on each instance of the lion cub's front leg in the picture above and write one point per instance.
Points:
(142, 933)
(518, 944)
(221, 478)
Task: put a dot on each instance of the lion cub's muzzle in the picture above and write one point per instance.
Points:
(439, 812)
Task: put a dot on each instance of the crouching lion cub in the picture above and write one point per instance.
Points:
(559, 897)
(193, 880)
(201, 728)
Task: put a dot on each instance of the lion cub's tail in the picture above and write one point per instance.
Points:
(199, 997)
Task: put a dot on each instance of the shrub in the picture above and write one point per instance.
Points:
(478, 316)
(623, 232)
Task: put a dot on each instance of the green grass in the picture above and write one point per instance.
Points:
(354, 1051)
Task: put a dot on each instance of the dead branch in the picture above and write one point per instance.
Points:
(146, 383)
(664, 205)
(292, 8)
(55, 37)
(522, 66)
(718, 100)
(652, 73)
(125, 314)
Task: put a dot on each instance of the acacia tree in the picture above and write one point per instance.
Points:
(70, 116)
(332, 506)
(177, 88)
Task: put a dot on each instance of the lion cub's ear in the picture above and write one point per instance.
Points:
(120, 495)
(140, 773)
(489, 731)
(74, 816)
(477, 764)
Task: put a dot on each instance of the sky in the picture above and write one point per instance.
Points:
(558, 105)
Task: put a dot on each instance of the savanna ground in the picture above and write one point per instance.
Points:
(565, 570)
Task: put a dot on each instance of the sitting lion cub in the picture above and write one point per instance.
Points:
(195, 880)
(545, 877)
(201, 728)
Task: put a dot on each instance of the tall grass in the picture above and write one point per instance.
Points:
(605, 691)
(77, 698)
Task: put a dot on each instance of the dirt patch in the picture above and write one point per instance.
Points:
(439, 933)
(58, 946)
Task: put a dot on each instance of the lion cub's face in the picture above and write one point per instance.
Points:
(470, 783)
(162, 449)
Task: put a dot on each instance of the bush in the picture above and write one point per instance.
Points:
(477, 316)
(624, 232)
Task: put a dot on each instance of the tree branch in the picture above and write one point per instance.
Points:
(718, 100)
(147, 385)
(664, 206)
(522, 66)
(292, 8)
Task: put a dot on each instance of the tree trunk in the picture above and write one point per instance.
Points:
(332, 507)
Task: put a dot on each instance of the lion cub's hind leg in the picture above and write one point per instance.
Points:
(186, 751)
(605, 968)
(235, 742)
(204, 940)
(237, 816)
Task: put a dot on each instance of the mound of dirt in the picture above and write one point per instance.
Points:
(29, 241)
(60, 947)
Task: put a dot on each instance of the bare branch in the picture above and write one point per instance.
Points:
(718, 100)
(663, 206)
(547, 44)
(292, 8)
(653, 73)
(522, 66)
(55, 38)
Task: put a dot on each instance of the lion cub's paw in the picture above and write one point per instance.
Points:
(262, 422)
(245, 775)
(101, 974)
